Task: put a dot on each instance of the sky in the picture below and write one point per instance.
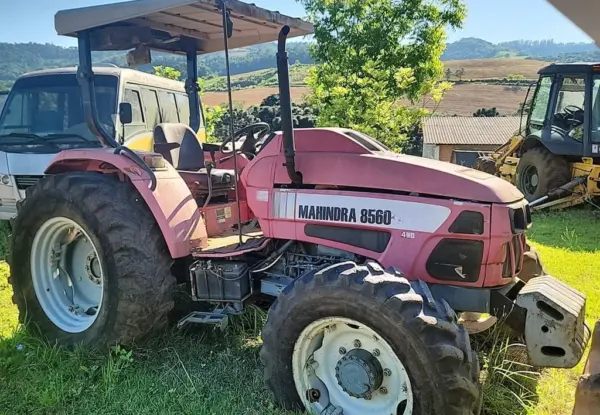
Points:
(494, 21)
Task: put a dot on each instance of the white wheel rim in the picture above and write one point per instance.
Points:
(476, 322)
(65, 263)
(319, 351)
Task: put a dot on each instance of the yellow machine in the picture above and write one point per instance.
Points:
(555, 159)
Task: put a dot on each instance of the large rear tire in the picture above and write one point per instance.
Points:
(363, 340)
(89, 263)
(539, 171)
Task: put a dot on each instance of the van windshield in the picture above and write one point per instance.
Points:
(50, 105)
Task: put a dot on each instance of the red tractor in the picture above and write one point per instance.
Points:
(369, 256)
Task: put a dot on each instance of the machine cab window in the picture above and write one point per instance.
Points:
(595, 132)
(540, 104)
(568, 113)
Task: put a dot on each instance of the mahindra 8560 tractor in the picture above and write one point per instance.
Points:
(369, 257)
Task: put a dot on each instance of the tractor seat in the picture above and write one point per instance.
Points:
(179, 145)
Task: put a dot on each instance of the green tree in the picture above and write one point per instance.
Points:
(448, 73)
(460, 73)
(167, 72)
(373, 54)
(486, 112)
(516, 77)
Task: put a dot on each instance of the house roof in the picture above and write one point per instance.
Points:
(470, 130)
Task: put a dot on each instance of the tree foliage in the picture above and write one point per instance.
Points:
(269, 111)
(167, 72)
(486, 112)
(371, 55)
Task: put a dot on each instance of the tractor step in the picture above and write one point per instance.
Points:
(199, 317)
(218, 317)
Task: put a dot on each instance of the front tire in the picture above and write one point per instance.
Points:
(89, 263)
(354, 322)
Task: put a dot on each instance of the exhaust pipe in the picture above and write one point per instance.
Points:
(285, 99)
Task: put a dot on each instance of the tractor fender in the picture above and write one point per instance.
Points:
(171, 203)
(529, 143)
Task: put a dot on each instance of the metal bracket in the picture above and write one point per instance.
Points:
(218, 317)
(199, 317)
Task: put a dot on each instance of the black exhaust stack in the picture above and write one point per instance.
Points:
(285, 99)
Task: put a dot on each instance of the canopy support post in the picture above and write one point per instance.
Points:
(85, 78)
(192, 89)
(227, 32)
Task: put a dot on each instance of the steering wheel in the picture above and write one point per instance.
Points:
(572, 109)
(248, 132)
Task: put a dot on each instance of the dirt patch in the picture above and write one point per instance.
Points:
(251, 96)
(496, 68)
(465, 99)
(462, 100)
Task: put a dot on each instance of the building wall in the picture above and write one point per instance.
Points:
(446, 150)
(431, 151)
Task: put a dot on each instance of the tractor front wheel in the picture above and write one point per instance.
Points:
(539, 171)
(89, 264)
(355, 339)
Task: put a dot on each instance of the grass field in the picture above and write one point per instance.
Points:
(205, 372)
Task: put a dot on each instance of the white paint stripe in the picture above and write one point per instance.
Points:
(284, 204)
(410, 216)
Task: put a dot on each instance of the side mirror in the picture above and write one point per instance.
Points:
(125, 113)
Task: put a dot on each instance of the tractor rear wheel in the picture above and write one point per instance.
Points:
(539, 171)
(89, 263)
(355, 339)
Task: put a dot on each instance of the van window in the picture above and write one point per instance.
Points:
(133, 97)
(183, 108)
(151, 108)
(137, 124)
(51, 104)
(168, 107)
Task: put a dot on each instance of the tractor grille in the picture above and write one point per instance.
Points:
(23, 182)
(514, 250)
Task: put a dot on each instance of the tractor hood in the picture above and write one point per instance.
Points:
(345, 158)
(438, 178)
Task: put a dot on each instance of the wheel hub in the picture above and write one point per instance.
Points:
(92, 267)
(359, 373)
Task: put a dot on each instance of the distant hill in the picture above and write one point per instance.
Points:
(18, 58)
(470, 48)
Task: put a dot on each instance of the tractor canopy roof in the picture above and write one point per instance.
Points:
(175, 25)
(570, 68)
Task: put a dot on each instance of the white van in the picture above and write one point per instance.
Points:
(43, 114)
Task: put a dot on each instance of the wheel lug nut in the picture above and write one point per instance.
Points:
(313, 395)
(342, 350)
(383, 390)
(357, 343)
(376, 352)
(387, 372)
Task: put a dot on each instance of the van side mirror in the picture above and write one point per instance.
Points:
(125, 113)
